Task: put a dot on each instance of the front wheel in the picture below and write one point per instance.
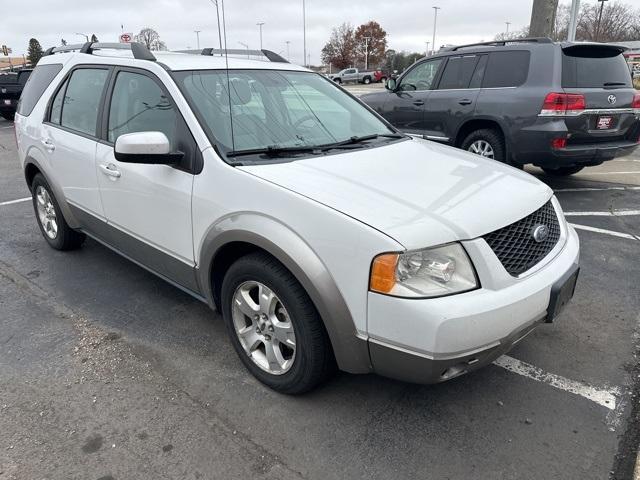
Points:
(337, 80)
(52, 224)
(274, 326)
(562, 171)
(366, 80)
(487, 143)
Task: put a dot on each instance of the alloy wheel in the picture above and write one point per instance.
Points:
(46, 212)
(482, 148)
(264, 327)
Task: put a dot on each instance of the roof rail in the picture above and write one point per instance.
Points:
(268, 54)
(500, 43)
(138, 50)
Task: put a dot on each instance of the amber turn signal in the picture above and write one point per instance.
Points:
(383, 273)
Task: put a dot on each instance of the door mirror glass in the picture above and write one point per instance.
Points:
(145, 147)
(391, 84)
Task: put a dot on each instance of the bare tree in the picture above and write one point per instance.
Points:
(513, 35)
(151, 39)
(339, 51)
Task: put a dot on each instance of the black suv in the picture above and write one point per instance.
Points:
(560, 106)
(11, 86)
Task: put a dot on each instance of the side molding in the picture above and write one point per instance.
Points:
(351, 352)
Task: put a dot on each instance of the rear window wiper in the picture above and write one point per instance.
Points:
(272, 150)
(614, 84)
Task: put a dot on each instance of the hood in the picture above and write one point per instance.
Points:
(418, 192)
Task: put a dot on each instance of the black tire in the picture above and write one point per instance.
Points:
(492, 137)
(366, 80)
(8, 115)
(314, 361)
(562, 171)
(66, 238)
(337, 80)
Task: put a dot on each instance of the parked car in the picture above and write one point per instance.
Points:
(560, 106)
(11, 86)
(322, 234)
(353, 75)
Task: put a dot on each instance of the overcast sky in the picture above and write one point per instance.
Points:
(409, 23)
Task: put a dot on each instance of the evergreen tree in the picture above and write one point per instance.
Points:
(34, 52)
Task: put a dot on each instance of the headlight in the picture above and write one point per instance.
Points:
(433, 272)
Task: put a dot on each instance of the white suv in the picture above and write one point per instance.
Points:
(323, 235)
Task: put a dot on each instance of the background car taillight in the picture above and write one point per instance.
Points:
(558, 143)
(562, 104)
(635, 103)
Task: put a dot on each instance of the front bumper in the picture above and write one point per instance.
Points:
(432, 340)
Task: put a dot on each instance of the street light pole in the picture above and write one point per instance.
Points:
(507, 23)
(573, 20)
(427, 51)
(260, 24)
(288, 55)
(197, 32)
(599, 20)
(366, 53)
(304, 34)
(435, 22)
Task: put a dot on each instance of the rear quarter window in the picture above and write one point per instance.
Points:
(38, 82)
(506, 69)
(594, 68)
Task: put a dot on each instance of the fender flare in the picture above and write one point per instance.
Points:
(270, 235)
(57, 189)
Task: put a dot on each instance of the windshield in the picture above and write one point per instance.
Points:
(276, 110)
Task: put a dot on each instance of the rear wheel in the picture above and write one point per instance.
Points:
(366, 80)
(562, 171)
(274, 326)
(337, 80)
(487, 143)
(52, 224)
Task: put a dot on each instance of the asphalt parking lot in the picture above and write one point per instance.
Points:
(106, 372)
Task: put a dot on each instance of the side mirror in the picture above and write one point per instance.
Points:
(391, 84)
(145, 147)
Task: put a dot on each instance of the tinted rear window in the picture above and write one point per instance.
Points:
(38, 82)
(506, 69)
(594, 68)
(457, 73)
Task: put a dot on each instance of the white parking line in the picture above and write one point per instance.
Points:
(613, 173)
(601, 396)
(606, 232)
(11, 202)
(6, 128)
(593, 189)
(611, 213)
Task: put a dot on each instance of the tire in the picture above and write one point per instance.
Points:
(562, 171)
(64, 237)
(338, 81)
(8, 116)
(491, 137)
(312, 361)
(366, 80)
(383, 80)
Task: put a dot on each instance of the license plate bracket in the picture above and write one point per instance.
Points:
(561, 292)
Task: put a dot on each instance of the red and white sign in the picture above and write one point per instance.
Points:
(126, 38)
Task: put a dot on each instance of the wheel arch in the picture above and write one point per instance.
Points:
(240, 234)
(479, 123)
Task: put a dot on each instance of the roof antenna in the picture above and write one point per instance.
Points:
(226, 59)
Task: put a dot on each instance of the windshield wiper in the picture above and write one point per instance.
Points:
(356, 140)
(272, 150)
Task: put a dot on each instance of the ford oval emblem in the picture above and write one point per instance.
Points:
(540, 233)
(611, 99)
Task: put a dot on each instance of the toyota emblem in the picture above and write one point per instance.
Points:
(611, 99)
(540, 233)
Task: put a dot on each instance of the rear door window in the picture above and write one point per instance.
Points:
(82, 100)
(38, 82)
(506, 69)
(594, 68)
(458, 71)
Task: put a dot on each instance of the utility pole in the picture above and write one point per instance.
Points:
(260, 24)
(288, 55)
(573, 20)
(435, 22)
(304, 33)
(599, 20)
(197, 32)
(366, 53)
(543, 18)
(427, 51)
(507, 23)
(215, 2)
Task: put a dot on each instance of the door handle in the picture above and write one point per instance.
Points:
(110, 170)
(48, 144)
(465, 101)
(418, 103)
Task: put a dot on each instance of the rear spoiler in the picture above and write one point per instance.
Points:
(593, 49)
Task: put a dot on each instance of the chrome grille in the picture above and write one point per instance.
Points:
(515, 246)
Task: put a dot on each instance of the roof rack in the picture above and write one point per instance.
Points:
(268, 54)
(497, 43)
(138, 50)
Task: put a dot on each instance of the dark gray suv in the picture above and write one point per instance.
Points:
(560, 106)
